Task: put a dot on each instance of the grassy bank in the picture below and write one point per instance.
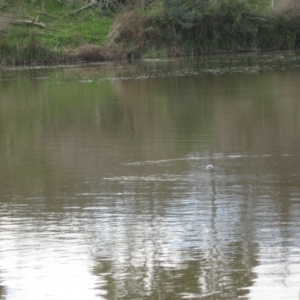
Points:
(49, 31)
(40, 31)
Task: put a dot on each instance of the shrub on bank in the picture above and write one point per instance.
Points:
(186, 27)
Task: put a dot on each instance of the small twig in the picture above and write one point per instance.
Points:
(82, 8)
(257, 18)
(26, 13)
(46, 14)
(43, 12)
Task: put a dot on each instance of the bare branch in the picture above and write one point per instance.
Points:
(30, 23)
(46, 14)
(82, 8)
(257, 18)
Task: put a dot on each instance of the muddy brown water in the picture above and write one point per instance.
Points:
(105, 191)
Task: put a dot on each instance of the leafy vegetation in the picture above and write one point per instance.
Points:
(187, 27)
(64, 30)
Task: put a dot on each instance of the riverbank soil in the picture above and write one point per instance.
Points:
(40, 31)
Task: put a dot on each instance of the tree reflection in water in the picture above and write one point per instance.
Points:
(105, 181)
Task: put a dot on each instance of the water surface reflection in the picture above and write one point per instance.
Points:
(104, 191)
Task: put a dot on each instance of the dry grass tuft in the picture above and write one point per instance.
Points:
(90, 52)
(131, 33)
(5, 23)
(288, 7)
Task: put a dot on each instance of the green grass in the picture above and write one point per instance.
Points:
(69, 31)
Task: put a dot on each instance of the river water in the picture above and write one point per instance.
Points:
(105, 191)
